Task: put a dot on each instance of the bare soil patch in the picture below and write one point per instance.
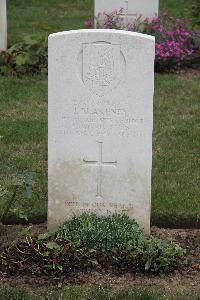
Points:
(185, 280)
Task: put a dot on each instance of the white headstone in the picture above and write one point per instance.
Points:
(101, 85)
(3, 25)
(131, 8)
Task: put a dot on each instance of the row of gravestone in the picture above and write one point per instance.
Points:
(131, 9)
(100, 119)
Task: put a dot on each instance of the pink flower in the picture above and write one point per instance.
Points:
(88, 24)
(165, 14)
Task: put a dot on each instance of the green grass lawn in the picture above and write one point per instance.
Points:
(23, 121)
(175, 186)
(95, 293)
(23, 141)
(46, 15)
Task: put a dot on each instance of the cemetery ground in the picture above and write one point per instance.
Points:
(175, 189)
(23, 149)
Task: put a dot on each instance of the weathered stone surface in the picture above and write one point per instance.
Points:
(101, 86)
(3, 26)
(131, 8)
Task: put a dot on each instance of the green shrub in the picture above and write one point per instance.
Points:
(101, 233)
(27, 57)
(91, 242)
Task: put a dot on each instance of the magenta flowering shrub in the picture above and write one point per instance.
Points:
(174, 42)
(112, 20)
(116, 20)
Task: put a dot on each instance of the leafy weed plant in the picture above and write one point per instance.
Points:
(23, 184)
(26, 57)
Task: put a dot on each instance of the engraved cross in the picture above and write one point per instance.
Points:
(127, 10)
(127, 13)
(100, 163)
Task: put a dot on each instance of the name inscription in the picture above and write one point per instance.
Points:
(97, 121)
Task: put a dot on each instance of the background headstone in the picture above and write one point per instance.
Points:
(101, 86)
(3, 25)
(131, 8)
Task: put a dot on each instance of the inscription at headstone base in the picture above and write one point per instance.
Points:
(101, 86)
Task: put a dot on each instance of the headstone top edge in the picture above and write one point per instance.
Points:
(106, 31)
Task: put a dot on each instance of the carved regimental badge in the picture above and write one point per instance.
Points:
(101, 67)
